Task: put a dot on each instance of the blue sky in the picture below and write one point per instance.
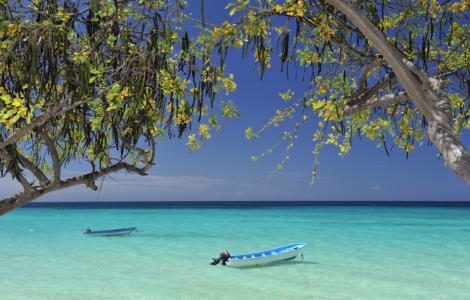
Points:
(223, 170)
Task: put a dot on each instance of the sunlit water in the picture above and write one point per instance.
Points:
(351, 253)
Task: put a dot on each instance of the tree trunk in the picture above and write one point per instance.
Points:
(433, 104)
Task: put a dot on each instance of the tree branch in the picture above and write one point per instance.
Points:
(390, 53)
(17, 171)
(23, 198)
(5, 156)
(453, 151)
(43, 180)
(24, 183)
(362, 95)
(51, 147)
(431, 101)
(362, 83)
(375, 101)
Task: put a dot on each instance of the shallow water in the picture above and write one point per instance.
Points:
(351, 253)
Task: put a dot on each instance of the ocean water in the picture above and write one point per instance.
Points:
(352, 253)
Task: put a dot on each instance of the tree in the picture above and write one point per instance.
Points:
(394, 71)
(97, 83)
(100, 81)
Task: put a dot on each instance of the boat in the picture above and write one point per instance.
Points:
(281, 253)
(112, 232)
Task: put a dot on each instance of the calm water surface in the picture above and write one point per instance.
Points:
(351, 253)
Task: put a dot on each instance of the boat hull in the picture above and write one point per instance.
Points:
(114, 232)
(266, 257)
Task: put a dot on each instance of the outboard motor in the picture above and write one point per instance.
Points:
(223, 258)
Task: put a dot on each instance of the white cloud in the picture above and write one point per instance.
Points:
(167, 182)
(375, 188)
(119, 187)
(122, 187)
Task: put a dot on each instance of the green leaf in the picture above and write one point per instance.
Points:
(6, 98)
(229, 110)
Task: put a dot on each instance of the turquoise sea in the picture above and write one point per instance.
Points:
(364, 252)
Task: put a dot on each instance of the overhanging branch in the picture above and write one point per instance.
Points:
(375, 101)
(26, 163)
(363, 94)
(88, 179)
(362, 83)
(51, 147)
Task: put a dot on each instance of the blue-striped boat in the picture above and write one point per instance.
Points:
(112, 232)
(286, 252)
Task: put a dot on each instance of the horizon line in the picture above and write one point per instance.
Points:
(243, 203)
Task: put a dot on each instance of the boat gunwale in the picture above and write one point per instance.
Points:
(268, 253)
(112, 231)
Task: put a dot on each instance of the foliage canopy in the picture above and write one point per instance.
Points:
(98, 82)
(351, 88)
(101, 81)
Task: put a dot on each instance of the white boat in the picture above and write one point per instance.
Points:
(265, 257)
(112, 232)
